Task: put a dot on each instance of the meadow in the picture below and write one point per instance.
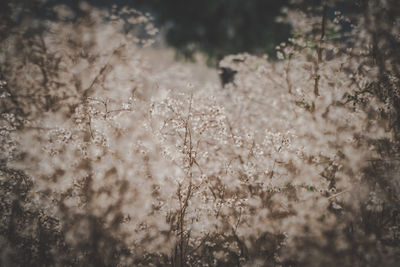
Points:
(113, 156)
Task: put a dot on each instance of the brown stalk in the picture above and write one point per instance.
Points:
(319, 50)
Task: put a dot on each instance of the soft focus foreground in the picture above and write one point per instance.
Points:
(110, 158)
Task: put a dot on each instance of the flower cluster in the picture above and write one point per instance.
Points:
(108, 159)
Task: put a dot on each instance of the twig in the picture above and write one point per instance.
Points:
(319, 50)
(338, 194)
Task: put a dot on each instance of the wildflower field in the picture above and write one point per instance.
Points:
(112, 155)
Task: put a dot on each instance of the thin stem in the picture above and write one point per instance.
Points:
(319, 50)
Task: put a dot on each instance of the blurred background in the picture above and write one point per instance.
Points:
(215, 28)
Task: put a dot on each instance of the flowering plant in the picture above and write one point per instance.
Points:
(109, 160)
